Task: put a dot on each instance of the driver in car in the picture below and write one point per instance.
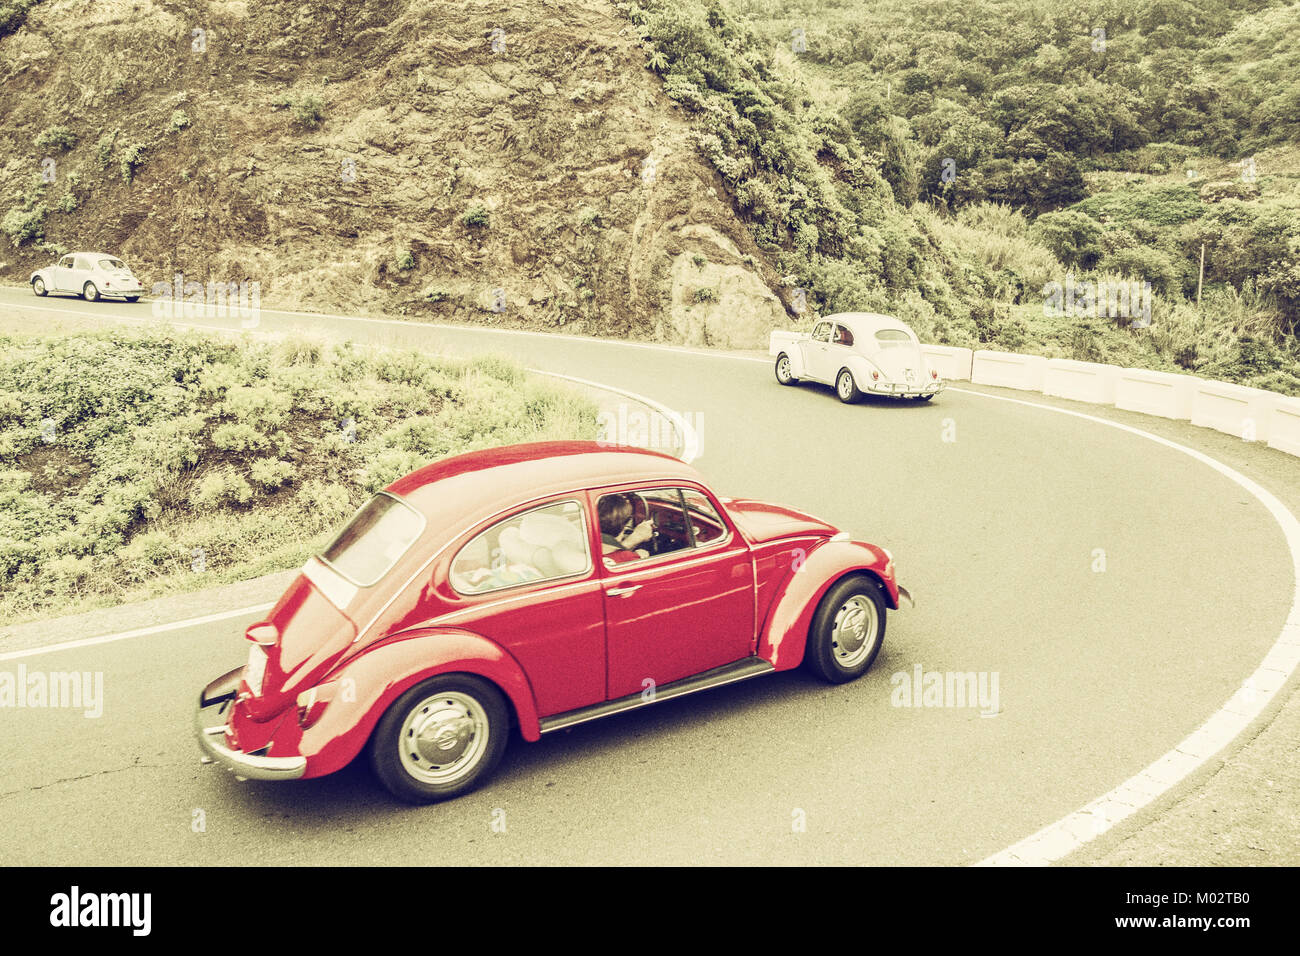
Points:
(617, 532)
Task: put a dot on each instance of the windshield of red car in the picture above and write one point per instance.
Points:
(374, 539)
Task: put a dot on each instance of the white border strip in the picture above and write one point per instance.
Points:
(1257, 691)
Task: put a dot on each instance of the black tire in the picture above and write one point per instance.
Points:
(408, 771)
(90, 292)
(846, 388)
(38, 286)
(132, 298)
(781, 368)
(830, 655)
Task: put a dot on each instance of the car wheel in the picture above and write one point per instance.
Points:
(132, 298)
(784, 372)
(89, 292)
(847, 630)
(440, 739)
(846, 388)
(38, 286)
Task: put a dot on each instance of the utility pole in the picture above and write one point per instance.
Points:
(1200, 281)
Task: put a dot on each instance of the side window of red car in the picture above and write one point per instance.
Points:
(539, 545)
(706, 525)
(652, 522)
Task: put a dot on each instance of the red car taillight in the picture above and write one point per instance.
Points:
(875, 376)
(934, 374)
(264, 634)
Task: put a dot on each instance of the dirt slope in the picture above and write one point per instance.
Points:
(600, 215)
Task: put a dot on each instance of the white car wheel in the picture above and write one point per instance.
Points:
(89, 292)
(846, 388)
(38, 286)
(784, 370)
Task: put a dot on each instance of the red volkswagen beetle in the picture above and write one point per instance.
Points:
(537, 586)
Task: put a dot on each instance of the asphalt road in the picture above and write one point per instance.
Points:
(998, 533)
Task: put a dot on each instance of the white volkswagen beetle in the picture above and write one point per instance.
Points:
(89, 275)
(860, 353)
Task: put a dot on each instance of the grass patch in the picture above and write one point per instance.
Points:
(140, 463)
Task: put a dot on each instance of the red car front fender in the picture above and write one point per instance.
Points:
(367, 685)
(785, 632)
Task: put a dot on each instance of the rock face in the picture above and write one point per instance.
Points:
(425, 158)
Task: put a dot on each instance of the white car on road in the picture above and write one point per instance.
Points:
(859, 353)
(89, 275)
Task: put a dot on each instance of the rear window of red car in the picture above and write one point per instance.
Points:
(374, 539)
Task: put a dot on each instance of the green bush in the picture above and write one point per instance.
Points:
(104, 149)
(306, 107)
(475, 217)
(270, 473)
(157, 437)
(130, 161)
(222, 487)
(20, 225)
(179, 120)
(1145, 264)
(1072, 236)
(55, 139)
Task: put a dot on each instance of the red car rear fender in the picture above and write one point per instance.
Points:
(367, 685)
(785, 632)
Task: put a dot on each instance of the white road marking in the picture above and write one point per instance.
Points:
(1061, 838)
(137, 632)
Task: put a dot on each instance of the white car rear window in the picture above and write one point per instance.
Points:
(893, 338)
(112, 265)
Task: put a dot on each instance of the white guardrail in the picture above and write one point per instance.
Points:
(1251, 414)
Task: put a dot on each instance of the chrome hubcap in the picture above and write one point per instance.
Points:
(443, 737)
(854, 633)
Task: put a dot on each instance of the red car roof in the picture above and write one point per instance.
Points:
(478, 484)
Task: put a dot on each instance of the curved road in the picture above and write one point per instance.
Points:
(1001, 517)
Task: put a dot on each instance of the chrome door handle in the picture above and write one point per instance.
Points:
(625, 591)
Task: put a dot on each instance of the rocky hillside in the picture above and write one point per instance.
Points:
(507, 162)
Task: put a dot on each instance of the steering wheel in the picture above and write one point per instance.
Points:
(640, 512)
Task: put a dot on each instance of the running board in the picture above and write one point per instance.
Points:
(717, 677)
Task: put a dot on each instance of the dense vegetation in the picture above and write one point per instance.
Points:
(133, 463)
(946, 161)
